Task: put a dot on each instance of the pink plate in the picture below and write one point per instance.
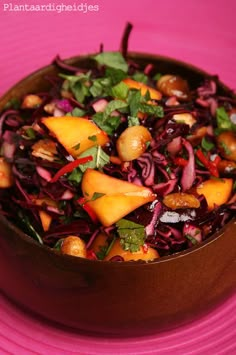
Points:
(213, 334)
(201, 32)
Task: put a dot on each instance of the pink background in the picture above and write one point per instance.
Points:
(201, 32)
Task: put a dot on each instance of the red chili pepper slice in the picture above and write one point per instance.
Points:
(70, 166)
(207, 163)
(145, 248)
(91, 255)
(216, 160)
(180, 161)
(82, 201)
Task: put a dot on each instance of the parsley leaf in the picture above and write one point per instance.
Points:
(226, 148)
(100, 87)
(13, 103)
(75, 176)
(132, 235)
(102, 252)
(206, 144)
(115, 75)
(192, 239)
(134, 99)
(137, 103)
(223, 120)
(77, 146)
(108, 124)
(30, 133)
(140, 77)
(133, 121)
(112, 60)
(120, 91)
(58, 244)
(76, 84)
(96, 88)
(76, 112)
(157, 76)
(93, 138)
(114, 105)
(152, 110)
(96, 195)
(28, 228)
(100, 158)
(234, 186)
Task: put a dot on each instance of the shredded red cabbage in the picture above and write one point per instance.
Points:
(168, 165)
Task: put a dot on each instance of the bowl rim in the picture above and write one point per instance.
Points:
(131, 55)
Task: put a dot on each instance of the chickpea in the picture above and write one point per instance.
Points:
(133, 142)
(227, 167)
(75, 246)
(186, 118)
(174, 85)
(45, 149)
(197, 135)
(226, 142)
(31, 101)
(6, 177)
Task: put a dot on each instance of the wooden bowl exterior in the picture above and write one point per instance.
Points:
(126, 298)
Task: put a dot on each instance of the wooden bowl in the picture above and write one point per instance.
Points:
(127, 298)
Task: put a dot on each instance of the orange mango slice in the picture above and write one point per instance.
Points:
(146, 253)
(132, 84)
(46, 218)
(119, 199)
(216, 192)
(95, 181)
(76, 134)
(111, 208)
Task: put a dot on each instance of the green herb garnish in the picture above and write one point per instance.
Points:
(192, 239)
(226, 148)
(77, 146)
(112, 106)
(112, 60)
(132, 235)
(206, 144)
(108, 124)
(120, 91)
(75, 176)
(27, 226)
(140, 77)
(96, 195)
(92, 138)
(223, 120)
(100, 158)
(30, 133)
(58, 244)
(152, 110)
(157, 76)
(76, 112)
(133, 121)
(77, 84)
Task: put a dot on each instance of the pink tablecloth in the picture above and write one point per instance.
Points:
(198, 31)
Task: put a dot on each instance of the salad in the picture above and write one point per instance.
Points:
(119, 162)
